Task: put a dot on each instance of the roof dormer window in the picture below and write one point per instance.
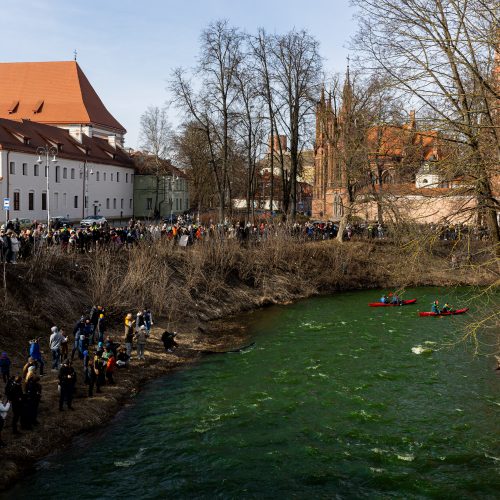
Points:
(38, 107)
(13, 107)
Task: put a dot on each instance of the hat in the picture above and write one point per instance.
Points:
(54, 329)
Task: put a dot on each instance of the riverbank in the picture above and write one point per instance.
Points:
(187, 290)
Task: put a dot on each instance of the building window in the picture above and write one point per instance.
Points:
(72, 173)
(31, 200)
(75, 202)
(64, 200)
(65, 173)
(104, 176)
(58, 173)
(107, 203)
(86, 201)
(97, 176)
(121, 203)
(126, 177)
(149, 203)
(17, 200)
(81, 174)
(111, 176)
(44, 201)
(25, 169)
(36, 169)
(56, 201)
(117, 176)
(114, 203)
(130, 204)
(12, 168)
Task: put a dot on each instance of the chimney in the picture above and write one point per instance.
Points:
(277, 140)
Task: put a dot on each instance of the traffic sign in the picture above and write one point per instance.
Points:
(6, 203)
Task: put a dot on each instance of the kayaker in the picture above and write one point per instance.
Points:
(435, 307)
(384, 299)
(446, 308)
(395, 300)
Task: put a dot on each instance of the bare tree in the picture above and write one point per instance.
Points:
(296, 68)
(211, 107)
(441, 53)
(156, 139)
(192, 153)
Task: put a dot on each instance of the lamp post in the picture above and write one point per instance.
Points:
(47, 151)
(174, 179)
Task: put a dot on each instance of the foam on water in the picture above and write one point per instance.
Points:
(132, 461)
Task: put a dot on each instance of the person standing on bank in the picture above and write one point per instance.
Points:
(36, 354)
(129, 333)
(55, 341)
(4, 409)
(141, 338)
(5, 367)
(67, 381)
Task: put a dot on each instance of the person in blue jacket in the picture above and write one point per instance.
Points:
(36, 354)
(435, 307)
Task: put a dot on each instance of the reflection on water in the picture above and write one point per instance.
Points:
(334, 399)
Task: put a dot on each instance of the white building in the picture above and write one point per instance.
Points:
(52, 105)
(89, 178)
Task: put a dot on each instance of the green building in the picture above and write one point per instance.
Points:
(160, 189)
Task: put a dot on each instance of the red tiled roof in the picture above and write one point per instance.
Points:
(393, 141)
(26, 136)
(56, 93)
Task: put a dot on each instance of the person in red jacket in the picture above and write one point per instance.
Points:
(110, 366)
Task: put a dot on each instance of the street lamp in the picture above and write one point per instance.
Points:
(175, 178)
(47, 151)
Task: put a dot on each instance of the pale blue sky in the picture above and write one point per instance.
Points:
(127, 48)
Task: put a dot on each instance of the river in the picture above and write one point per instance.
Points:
(334, 400)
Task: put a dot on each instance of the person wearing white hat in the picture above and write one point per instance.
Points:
(141, 338)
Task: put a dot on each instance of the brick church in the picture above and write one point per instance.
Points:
(388, 150)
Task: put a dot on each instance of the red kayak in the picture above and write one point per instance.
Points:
(383, 304)
(449, 313)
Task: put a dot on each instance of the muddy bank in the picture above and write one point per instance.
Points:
(56, 429)
(191, 292)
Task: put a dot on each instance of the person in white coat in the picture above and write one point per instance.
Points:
(4, 409)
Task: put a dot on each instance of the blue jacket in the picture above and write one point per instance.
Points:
(35, 351)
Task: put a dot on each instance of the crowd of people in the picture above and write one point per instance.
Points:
(17, 242)
(89, 352)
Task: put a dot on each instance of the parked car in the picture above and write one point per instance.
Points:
(23, 223)
(59, 221)
(170, 219)
(98, 220)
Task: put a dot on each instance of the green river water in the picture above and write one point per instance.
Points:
(334, 400)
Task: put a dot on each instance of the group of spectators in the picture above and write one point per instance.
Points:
(20, 242)
(91, 354)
